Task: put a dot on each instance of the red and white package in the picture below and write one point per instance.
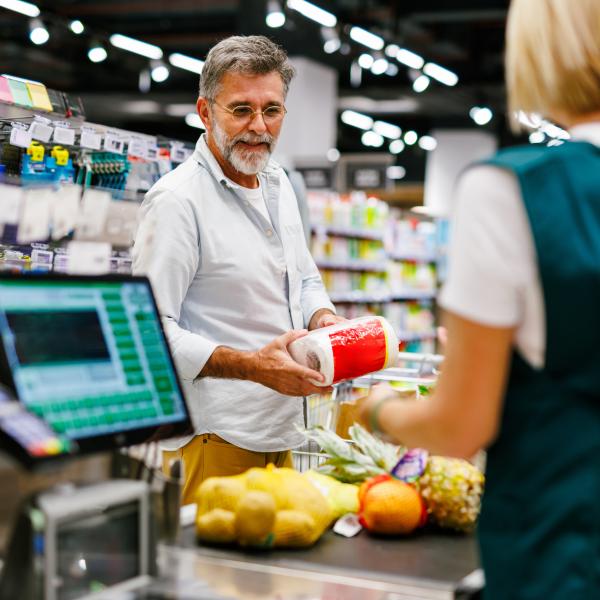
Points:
(348, 350)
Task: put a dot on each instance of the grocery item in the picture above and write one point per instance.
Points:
(348, 350)
(262, 508)
(390, 507)
(451, 489)
(341, 497)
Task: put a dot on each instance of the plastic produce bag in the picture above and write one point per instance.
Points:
(348, 350)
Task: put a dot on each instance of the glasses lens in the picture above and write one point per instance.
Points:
(273, 114)
(242, 113)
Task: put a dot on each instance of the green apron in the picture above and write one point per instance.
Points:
(540, 522)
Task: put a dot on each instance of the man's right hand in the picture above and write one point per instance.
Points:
(271, 366)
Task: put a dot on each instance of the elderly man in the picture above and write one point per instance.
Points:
(232, 274)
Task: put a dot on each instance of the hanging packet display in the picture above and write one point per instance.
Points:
(348, 350)
(5, 93)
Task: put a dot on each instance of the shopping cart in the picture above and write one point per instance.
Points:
(324, 409)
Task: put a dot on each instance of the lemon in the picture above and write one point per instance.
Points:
(255, 517)
(294, 528)
(216, 526)
(220, 492)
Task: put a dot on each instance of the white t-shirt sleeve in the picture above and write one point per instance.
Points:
(493, 262)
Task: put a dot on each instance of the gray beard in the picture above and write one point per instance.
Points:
(248, 162)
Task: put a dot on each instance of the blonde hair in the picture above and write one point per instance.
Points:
(553, 56)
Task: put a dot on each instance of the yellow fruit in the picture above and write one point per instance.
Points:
(220, 492)
(255, 517)
(341, 497)
(216, 526)
(295, 528)
(266, 480)
(390, 507)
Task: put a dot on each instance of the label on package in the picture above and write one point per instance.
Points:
(92, 217)
(41, 131)
(63, 134)
(10, 203)
(348, 526)
(66, 211)
(137, 147)
(34, 221)
(411, 465)
(89, 258)
(89, 138)
(20, 137)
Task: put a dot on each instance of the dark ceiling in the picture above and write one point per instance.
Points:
(465, 36)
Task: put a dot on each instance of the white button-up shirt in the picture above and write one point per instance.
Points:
(224, 275)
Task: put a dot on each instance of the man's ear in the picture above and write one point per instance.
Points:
(203, 107)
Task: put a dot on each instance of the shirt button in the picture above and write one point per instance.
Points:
(246, 202)
(284, 270)
(269, 233)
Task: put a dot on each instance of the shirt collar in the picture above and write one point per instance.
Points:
(203, 155)
(586, 132)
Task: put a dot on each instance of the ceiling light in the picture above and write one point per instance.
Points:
(395, 172)
(160, 73)
(136, 46)
(392, 70)
(537, 137)
(333, 155)
(387, 130)
(379, 66)
(366, 38)
(357, 120)
(25, 8)
(332, 45)
(421, 84)
(179, 110)
(275, 19)
(442, 75)
(392, 50)
(193, 120)
(481, 116)
(186, 62)
(396, 146)
(366, 61)
(38, 34)
(411, 137)
(370, 138)
(313, 12)
(76, 27)
(355, 73)
(410, 59)
(97, 54)
(428, 143)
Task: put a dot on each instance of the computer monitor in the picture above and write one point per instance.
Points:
(88, 357)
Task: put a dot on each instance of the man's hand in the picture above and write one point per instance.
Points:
(324, 318)
(271, 366)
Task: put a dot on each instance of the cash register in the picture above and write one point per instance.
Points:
(84, 368)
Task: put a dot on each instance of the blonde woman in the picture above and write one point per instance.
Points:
(522, 369)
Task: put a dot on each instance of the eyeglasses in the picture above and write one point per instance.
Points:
(245, 114)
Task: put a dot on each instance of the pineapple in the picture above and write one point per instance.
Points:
(451, 489)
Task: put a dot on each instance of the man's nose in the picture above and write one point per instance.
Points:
(258, 124)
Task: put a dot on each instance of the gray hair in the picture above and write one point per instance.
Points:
(248, 56)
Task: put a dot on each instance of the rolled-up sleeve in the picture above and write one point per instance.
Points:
(171, 260)
(313, 296)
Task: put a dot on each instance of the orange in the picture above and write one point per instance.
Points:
(390, 507)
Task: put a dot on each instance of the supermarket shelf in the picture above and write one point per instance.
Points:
(413, 336)
(354, 232)
(413, 295)
(414, 257)
(351, 265)
(359, 296)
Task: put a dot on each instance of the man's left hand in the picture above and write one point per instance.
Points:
(324, 318)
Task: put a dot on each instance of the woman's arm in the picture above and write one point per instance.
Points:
(463, 415)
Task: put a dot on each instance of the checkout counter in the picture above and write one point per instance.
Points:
(110, 383)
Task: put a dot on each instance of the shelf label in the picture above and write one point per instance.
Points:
(63, 134)
(90, 140)
(20, 137)
(137, 147)
(41, 131)
(113, 143)
(151, 151)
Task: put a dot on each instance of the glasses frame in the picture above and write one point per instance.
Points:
(254, 112)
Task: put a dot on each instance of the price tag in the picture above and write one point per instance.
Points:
(151, 151)
(89, 138)
(34, 222)
(66, 211)
(113, 144)
(137, 147)
(89, 258)
(63, 134)
(10, 203)
(348, 525)
(41, 132)
(92, 218)
(20, 137)
(178, 154)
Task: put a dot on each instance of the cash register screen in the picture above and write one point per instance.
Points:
(88, 357)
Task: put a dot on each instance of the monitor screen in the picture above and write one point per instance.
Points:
(88, 355)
